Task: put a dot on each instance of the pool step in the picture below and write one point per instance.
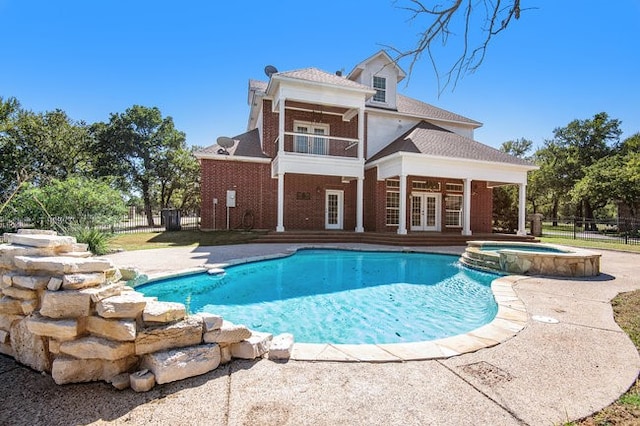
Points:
(483, 261)
(385, 238)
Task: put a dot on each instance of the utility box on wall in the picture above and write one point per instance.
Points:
(231, 198)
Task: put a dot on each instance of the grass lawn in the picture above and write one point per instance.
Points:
(152, 240)
(632, 248)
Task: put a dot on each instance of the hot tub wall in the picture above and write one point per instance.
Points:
(560, 265)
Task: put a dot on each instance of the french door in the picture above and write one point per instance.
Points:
(334, 209)
(425, 212)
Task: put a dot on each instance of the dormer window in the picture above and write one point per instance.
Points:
(380, 84)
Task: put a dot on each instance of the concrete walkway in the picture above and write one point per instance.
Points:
(545, 375)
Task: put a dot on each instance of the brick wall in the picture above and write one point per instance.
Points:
(338, 127)
(375, 204)
(481, 207)
(255, 192)
(304, 207)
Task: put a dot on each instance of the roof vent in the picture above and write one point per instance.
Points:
(339, 73)
(269, 70)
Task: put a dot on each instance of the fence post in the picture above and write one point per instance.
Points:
(626, 231)
(574, 227)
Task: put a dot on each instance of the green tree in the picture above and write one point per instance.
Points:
(76, 200)
(565, 159)
(613, 178)
(12, 177)
(179, 180)
(39, 147)
(135, 147)
(505, 198)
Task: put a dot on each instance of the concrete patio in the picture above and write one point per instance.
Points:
(547, 374)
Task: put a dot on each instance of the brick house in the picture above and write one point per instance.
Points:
(326, 151)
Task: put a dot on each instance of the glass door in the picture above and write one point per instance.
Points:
(334, 206)
(425, 212)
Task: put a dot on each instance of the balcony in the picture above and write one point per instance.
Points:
(318, 154)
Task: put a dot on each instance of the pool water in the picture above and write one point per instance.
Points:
(530, 248)
(340, 296)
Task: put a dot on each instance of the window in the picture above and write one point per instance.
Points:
(454, 187)
(429, 185)
(308, 144)
(453, 210)
(380, 84)
(393, 202)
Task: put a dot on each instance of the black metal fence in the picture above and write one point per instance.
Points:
(620, 231)
(162, 221)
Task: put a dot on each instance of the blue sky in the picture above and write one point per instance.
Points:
(564, 60)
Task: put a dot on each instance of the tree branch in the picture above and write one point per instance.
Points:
(494, 15)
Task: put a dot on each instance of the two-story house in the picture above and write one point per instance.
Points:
(326, 151)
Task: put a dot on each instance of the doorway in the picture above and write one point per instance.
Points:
(425, 212)
(334, 208)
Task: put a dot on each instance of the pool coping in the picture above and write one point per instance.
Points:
(511, 318)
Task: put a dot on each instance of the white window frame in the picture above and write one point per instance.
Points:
(310, 141)
(457, 212)
(389, 209)
(380, 91)
(454, 187)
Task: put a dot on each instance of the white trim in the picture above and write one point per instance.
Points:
(222, 157)
(325, 127)
(373, 109)
(423, 214)
(340, 206)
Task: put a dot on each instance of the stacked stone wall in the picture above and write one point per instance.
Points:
(72, 315)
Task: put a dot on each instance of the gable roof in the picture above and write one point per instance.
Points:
(247, 145)
(429, 139)
(318, 76)
(362, 65)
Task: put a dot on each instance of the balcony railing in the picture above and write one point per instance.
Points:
(314, 144)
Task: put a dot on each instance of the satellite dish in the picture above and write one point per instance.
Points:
(225, 143)
(269, 70)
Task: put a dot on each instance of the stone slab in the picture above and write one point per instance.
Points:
(227, 333)
(163, 312)
(93, 347)
(65, 329)
(30, 349)
(67, 369)
(62, 264)
(187, 332)
(255, 346)
(65, 304)
(177, 364)
(79, 281)
(114, 329)
(129, 305)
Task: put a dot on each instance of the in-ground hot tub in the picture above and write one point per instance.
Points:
(531, 259)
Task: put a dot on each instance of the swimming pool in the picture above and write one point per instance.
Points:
(340, 296)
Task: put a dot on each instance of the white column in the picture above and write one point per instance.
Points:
(280, 226)
(522, 208)
(281, 128)
(466, 207)
(402, 225)
(359, 203)
(361, 133)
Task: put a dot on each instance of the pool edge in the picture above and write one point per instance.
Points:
(511, 318)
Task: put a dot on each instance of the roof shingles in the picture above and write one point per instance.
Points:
(429, 139)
